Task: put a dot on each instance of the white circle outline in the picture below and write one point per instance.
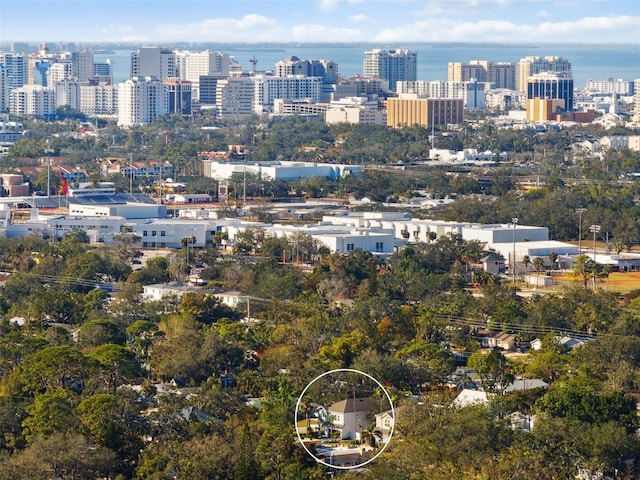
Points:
(295, 420)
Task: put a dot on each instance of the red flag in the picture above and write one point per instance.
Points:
(64, 184)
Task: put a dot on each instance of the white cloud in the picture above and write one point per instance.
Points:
(588, 29)
(323, 33)
(361, 18)
(250, 28)
(328, 5)
(543, 13)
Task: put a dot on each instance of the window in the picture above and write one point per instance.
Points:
(387, 422)
(379, 246)
(350, 247)
(163, 233)
(154, 233)
(145, 233)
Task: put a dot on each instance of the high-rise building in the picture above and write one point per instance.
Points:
(58, 72)
(293, 87)
(103, 72)
(33, 100)
(618, 86)
(179, 92)
(99, 99)
(15, 65)
(193, 65)
(4, 89)
(325, 69)
(636, 101)
(156, 62)
(392, 65)
(82, 65)
(528, 66)
(549, 94)
(409, 110)
(68, 93)
(141, 100)
(471, 92)
(235, 96)
(500, 74)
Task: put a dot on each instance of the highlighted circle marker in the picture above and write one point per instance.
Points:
(340, 370)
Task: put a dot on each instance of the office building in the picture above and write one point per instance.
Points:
(155, 62)
(549, 94)
(529, 66)
(141, 100)
(392, 65)
(235, 96)
(407, 110)
(355, 110)
(179, 92)
(103, 72)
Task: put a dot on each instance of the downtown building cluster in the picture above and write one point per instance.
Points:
(164, 81)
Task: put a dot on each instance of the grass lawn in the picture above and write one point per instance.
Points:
(620, 282)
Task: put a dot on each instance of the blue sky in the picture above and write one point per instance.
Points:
(384, 21)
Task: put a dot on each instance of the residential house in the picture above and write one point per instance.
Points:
(493, 263)
(385, 423)
(349, 417)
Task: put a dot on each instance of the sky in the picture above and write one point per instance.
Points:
(323, 21)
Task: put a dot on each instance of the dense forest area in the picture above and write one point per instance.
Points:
(68, 375)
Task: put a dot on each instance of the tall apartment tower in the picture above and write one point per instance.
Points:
(392, 65)
(15, 65)
(528, 66)
(500, 74)
(4, 90)
(82, 65)
(156, 62)
(636, 101)
(141, 100)
(193, 66)
(33, 100)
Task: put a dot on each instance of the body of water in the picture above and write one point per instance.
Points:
(589, 62)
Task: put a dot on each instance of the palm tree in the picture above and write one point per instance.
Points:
(526, 261)
(538, 264)
(553, 256)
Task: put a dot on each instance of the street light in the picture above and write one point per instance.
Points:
(49, 151)
(595, 229)
(580, 211)
(514, 220)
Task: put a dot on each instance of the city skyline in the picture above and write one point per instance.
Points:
(321, 21)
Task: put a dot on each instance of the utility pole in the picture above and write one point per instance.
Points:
(514, 220)
(595, 229)
(580, 211)
(49, 152)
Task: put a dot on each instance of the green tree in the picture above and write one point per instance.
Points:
(48, 414)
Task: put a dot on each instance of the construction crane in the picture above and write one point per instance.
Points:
(253, 61)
